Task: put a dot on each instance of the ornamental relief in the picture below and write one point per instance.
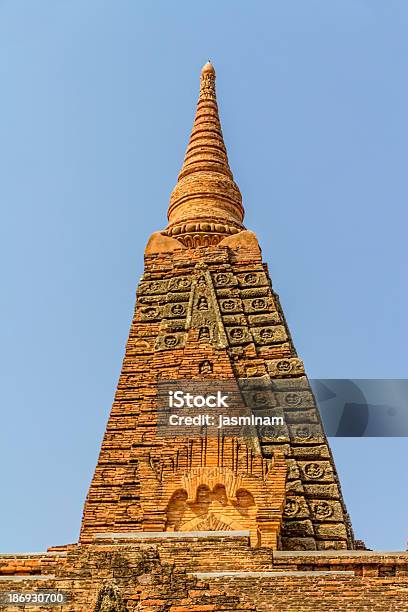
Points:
(285, 367)
(322, 510)
(238, 335)
(257, 292)
(168, 340)
(153, 287)
(230, 305)
(252, 279)
(269, 335)
(302, 417)
(262, 320)
(150, 313)
(295, 398)
(310, 433)
(291, 508)
(296, 507)
(173, 298)
(236, 320)
(139, 346)
(180, 283)
(224, 279)
(317, 470)
(258, 304)
(175, 310)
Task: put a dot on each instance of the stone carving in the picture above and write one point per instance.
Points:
(177, 309)
(282, 367)
(183, 283)
(153, 287)
(313, 471)
(207, 86)
(258, 304)
(170, 341)
(109, 599)
(150, 313)
(221, 279)
(140, 346)
(269, 335)
(238, 335)
(224, 279)
(303, 432)
(250, 279)
(253, 279)
(322, 510)
(206, 367)
(202, 303)
(260, 398)
(180, 283)
(291, 507)
(292, 399)
(229, 305)
(272, 433)
(204, 334)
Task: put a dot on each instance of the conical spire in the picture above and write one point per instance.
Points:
(206, 204)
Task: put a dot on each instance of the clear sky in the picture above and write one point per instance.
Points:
(97, 101)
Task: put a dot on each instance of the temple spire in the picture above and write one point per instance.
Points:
(206, 204)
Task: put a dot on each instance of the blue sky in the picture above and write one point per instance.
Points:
(96, 107)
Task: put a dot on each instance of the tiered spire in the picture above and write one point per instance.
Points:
(206, 204)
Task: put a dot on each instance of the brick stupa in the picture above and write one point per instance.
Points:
(206, 523)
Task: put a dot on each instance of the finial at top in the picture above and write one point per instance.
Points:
(208, 68)
(206, 204)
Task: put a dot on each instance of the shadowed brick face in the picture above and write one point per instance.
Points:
(205, 523)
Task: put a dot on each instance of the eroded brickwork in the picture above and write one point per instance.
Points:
(181, 575)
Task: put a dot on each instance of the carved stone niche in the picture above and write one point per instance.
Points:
(212, 499)
(204, 334)
(215, 498)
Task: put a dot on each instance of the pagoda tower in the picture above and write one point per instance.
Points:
(206, 311)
